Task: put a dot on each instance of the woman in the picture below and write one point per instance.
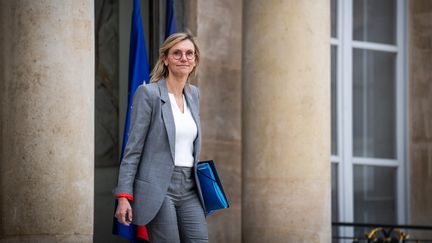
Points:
(158, 171)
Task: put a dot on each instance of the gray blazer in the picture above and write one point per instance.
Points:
(148, 160)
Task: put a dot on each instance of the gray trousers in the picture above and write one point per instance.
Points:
(181, 216)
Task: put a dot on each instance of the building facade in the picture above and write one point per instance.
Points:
(314, 111)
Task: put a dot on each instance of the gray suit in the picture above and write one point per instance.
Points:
(148, 160)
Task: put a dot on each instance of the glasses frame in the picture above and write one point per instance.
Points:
(173, 54)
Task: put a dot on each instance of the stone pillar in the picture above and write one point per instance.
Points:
(420, 117)
(219, 80)
(286, 121)
(46, 120)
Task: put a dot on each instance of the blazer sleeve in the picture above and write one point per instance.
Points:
(139, 125)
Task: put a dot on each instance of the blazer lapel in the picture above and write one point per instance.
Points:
(193, 106)
(168, 116)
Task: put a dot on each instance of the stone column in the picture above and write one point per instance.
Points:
(46, 120)
(420, 117)
(219, 80)
(286, 121)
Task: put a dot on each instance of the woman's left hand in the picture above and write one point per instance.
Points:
(124, 211)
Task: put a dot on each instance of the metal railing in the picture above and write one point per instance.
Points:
(383, 233)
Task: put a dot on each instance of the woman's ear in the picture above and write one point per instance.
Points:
(165, 60)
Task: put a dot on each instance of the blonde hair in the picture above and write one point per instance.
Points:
(160, 71)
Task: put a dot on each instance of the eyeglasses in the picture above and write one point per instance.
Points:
(177, 54)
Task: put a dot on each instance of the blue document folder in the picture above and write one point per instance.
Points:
(211, 187)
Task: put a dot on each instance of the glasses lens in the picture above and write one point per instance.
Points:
(190, 55)
(177, 54)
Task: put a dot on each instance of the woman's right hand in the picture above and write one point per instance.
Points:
(124, 211)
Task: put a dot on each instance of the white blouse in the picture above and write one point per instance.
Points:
(185, 133)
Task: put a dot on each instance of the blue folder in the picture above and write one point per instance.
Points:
(211, 187)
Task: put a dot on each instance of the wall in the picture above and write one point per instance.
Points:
(420, 112)
(218, 27)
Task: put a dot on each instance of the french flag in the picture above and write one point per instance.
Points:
(171, 26)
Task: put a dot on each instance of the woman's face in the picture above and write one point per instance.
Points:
(181, 58)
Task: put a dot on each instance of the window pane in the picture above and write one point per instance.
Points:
(334, 194)
(334, 133)
(333, 6)
(374, 21)
(374, 195)
(374, 108)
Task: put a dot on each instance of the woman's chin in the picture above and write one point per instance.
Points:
(181, 73)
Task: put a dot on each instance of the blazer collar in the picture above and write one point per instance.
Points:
(168, 117)
(163, 90)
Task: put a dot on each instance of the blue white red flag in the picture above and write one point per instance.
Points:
(171, 27)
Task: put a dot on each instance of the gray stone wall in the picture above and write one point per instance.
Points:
(420, 116)
(219, 32)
